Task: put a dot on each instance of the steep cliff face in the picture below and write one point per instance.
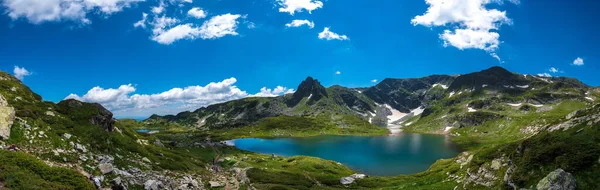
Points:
(87, 112)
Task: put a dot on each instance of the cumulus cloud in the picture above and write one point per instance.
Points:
(471, 24)
(278, 91)
(182, 31)
(374, 80)
(553, 70)
(123, 101)
(21, 72)
(578, 61)
(292, 6)
(338, 73)
(39, 11)
(219, 26)
(298, 23)
(197, 12)
(544, 75)
(328, 35)
(167, 30)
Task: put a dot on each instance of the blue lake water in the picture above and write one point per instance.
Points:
(405, 153)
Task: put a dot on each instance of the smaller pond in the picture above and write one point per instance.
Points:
(142, 130)
(404, 153)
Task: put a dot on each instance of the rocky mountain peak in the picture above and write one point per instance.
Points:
(308, 88)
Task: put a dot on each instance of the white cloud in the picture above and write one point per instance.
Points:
(553, 70)
(267, 92)
(544, 75)
(182, 31)
(141, 23)
(374, 80)
(578, 61)
(196, 12)
(219, 26)
(39, 11)
(298, 23)
(160, 8)
(21, 72)
(160, 23)
(123, 102)
(328, 35)
(338, 72)
(471, 24)
(292, 6)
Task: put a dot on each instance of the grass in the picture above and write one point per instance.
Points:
(301, 127)
(19, 170)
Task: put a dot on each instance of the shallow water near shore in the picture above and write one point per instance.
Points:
(403, 153)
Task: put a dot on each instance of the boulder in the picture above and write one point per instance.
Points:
(105, 168)
(358, 176)
(346, 180)
(7, 117)
(80, 148)
(153, 185)
(350, 179)
(557, 180)
(215, 184)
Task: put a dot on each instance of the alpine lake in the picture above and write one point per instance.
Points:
(402, 153)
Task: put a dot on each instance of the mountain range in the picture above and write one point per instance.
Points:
(516, 130)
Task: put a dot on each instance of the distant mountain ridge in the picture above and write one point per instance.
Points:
(375, 104)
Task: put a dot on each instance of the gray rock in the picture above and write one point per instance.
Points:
(158, 143)
(50, 113)
(215, 184)
(496, 163)
(358, 176)
(67, 135)
(7, 117)
(153, 185)
(241, 175)
(146, 160)
(80, 148)
(105, 168)
(346, 180)
(557, 180)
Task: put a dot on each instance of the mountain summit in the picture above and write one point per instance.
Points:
(310, 88)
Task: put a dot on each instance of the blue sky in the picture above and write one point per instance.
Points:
(177, 59)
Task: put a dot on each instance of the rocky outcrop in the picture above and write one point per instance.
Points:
(93, 112)
(104, 118)
(7, 117)
(557, 180)
(350, 179)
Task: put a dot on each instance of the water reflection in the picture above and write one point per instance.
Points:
(403, 153)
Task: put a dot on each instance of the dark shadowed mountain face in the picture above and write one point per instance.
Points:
(405, 94)
(308, 88)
